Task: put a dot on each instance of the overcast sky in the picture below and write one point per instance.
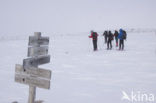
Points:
(73, 16)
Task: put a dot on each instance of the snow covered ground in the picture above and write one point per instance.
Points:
(81, 75)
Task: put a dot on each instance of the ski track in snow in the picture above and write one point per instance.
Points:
(81, 75)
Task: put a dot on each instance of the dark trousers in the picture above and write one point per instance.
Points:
(95, 44)
(109, 44)
(121, 44)
(105, 39)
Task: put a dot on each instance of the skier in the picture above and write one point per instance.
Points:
(109, 42)
(116, 37)
(94, 36)
(122, 36)
(105, 36)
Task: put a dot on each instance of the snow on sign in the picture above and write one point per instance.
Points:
(34, 51)
(33, 62)
(29, 73)
(33, 40)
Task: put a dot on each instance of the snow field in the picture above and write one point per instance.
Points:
(81, 75)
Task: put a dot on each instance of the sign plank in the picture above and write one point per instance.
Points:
(38, 82)
(32, 71)
(36, 51)
(34, 62)
(33, 40)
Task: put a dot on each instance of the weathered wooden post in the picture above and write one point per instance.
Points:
(29, 73)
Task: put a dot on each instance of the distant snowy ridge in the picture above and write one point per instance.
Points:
(23, 36)
(141, 30)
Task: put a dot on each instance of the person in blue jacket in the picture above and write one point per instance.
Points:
(122, 37)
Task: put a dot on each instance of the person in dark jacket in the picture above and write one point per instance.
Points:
(109, 42)
(105, 36)
(94, 37)
(116, 37)
(122, 36)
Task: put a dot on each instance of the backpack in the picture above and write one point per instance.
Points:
(124, 36)
(116, 34)
(111, 37)
(94, 36)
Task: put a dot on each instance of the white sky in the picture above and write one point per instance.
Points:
(72, 16)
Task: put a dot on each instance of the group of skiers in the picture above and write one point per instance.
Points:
(108, 37)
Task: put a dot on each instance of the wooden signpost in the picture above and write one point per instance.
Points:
(35, 61)
(32, 51)
(38, 72)
(29, 73)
